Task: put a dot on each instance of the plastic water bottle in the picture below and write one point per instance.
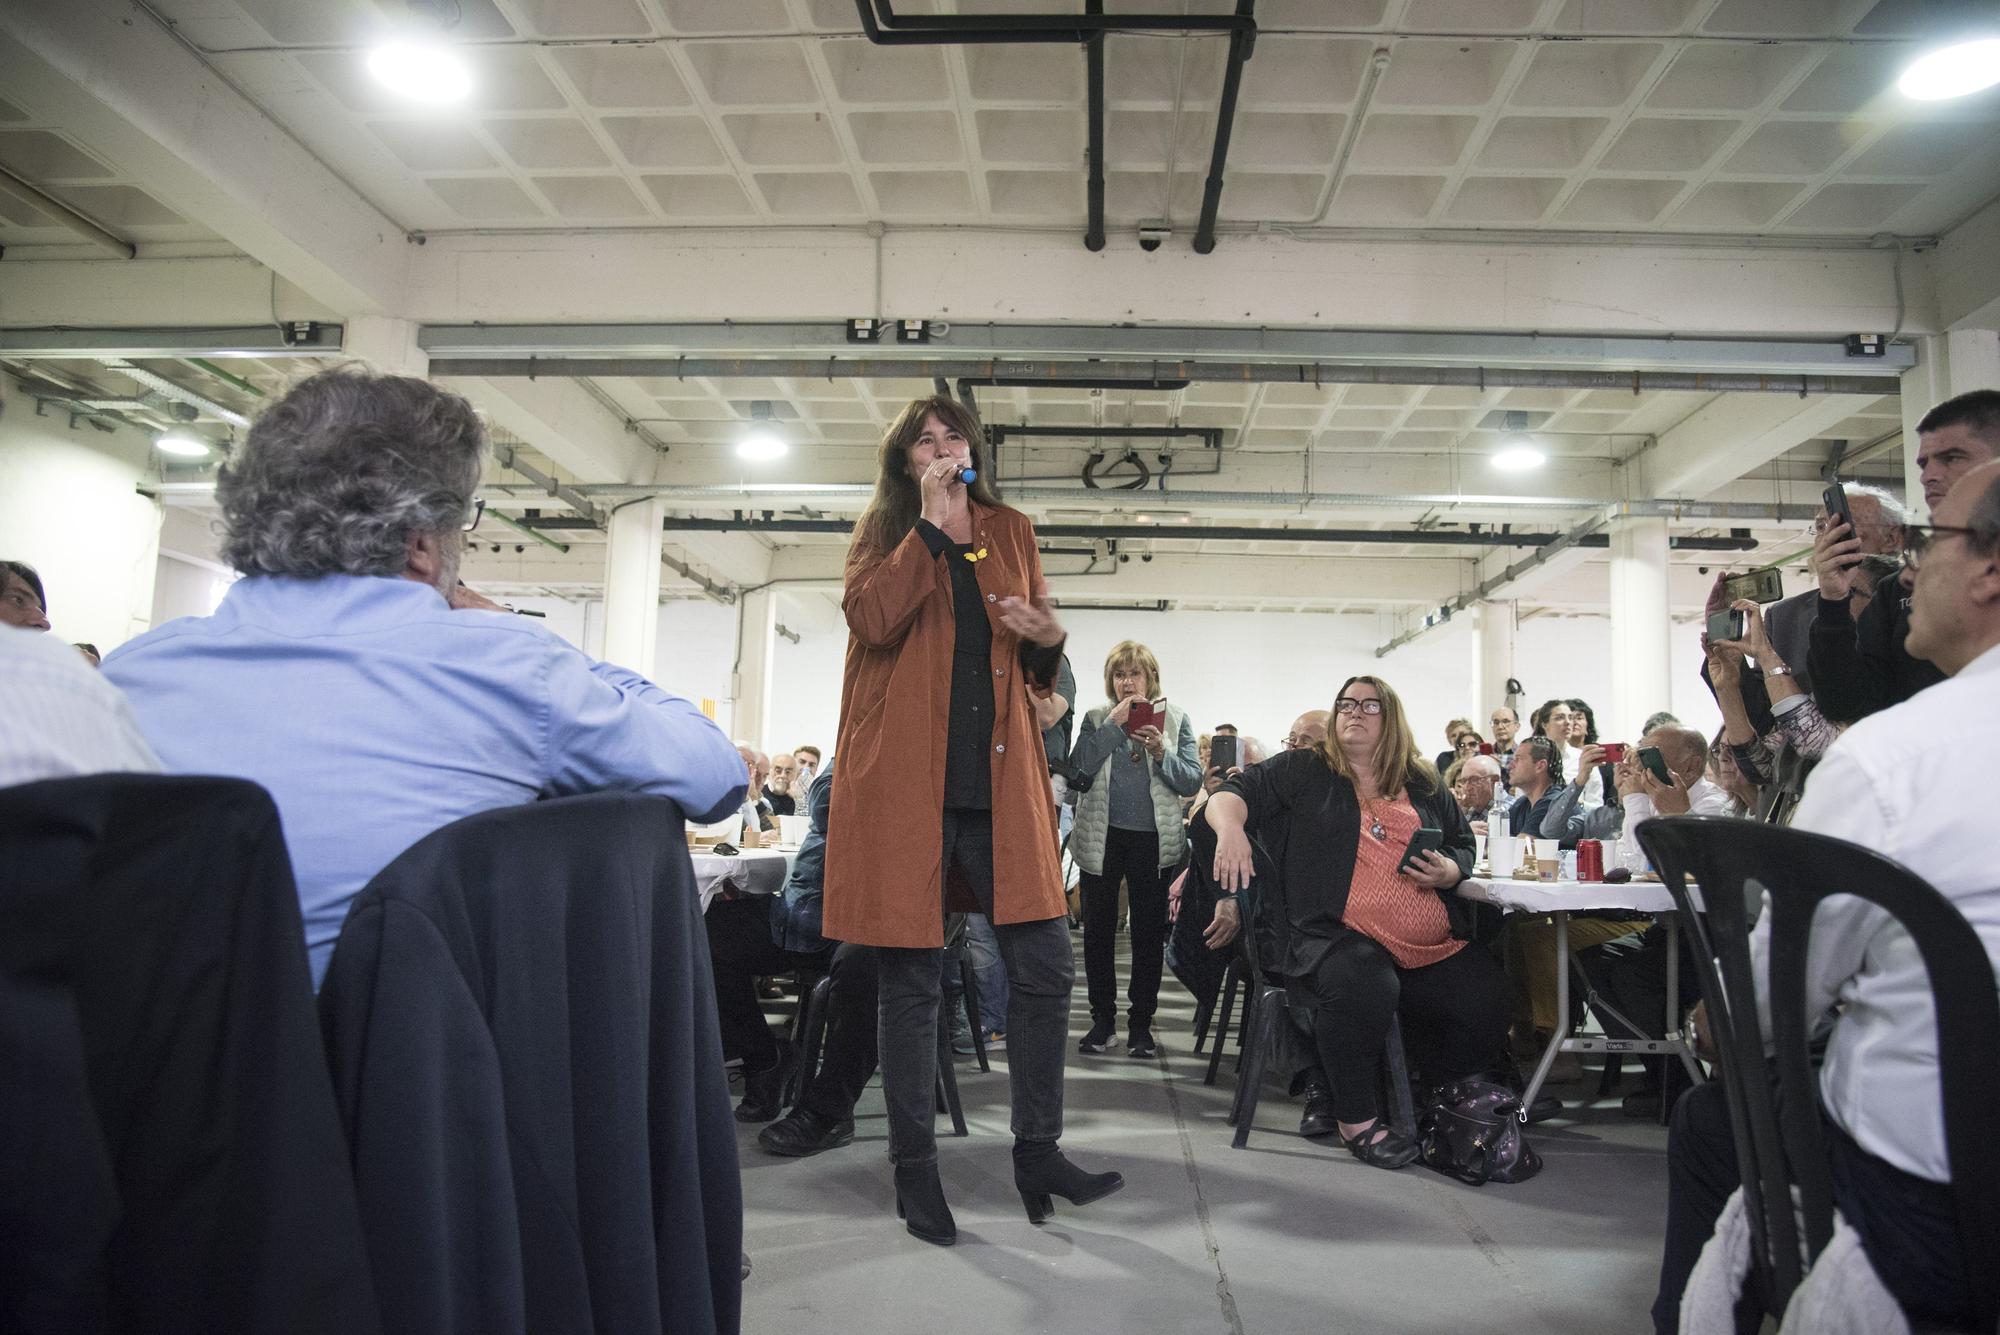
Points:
(1503, 851)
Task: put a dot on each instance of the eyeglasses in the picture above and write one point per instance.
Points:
(472, 520)
(1919, 538)
(1299, 741)
(1368, 707)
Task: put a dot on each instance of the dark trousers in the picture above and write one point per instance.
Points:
(1454, 1017)
(1040, 973)
(847, 1054)
(1908, 1225)
(1131, 856)
(741, 951)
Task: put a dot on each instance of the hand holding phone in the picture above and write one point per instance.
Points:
(1614, 752)
(1422, 841)
(1222, 753)
(1837, 549)
(1656, 764)
(1145, 714)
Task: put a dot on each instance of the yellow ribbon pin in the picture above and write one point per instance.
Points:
(979, 555)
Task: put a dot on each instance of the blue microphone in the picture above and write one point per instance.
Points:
(968, 476)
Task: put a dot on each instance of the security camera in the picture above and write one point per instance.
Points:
(1151, 234)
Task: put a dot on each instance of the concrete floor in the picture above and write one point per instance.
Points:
(1288, 1235)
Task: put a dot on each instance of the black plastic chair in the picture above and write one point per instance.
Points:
(1778, 1141)
(1266, 1012)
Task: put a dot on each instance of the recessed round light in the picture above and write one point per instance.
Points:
(182, 445)
(1952, 71)
(761, 445)
(1519, 458)
(427, 72)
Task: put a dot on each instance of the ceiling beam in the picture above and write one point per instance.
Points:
(558, 418)
(134, 94)
(1965, 272)
(1726, 438)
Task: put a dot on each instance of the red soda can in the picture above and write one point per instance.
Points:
(1589, 860)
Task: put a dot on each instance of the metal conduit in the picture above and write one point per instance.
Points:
(1137, 374)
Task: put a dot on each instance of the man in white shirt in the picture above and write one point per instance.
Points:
(1908, 782)
(62, 718)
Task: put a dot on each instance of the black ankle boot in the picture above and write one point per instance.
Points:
(1040, 1171)
(920, 1204)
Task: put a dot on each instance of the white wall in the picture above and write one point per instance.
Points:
(1256, 670)
(70, 508)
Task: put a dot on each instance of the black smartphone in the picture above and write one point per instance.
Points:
(1834, 498)
(1764, 585)
(1425, 840)
(1726, 624)
(1656, 764)
(1222, 753)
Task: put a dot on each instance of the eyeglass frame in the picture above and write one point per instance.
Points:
(1300, 741)
(478, 512)
(1913, 553)
(1360, 706)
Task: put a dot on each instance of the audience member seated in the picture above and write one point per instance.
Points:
(62, 719)
(1478, 780)
(350, 673)
(1506, 724)
(1356, 935)
(1537, 776)
(809, 761)
(22, 602)
(754, 936)
(1888, 783)
(1469, 743)
(1859, 664)
(782, 788)
(756, 809)
(1453, 730)
(1655, 721)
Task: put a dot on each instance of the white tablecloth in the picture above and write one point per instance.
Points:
(1573, 896)
(754, 871)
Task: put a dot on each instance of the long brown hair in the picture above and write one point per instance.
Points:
(898, 503)
(1397, 761)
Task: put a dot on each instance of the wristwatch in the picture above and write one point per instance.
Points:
(1778, 670)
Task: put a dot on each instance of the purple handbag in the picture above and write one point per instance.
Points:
(1471, 1130)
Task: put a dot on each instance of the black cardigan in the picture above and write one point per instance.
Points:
(1305, 821)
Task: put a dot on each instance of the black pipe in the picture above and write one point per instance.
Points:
(1192, 533)
(1036, 382)
(1209, 436)
(934, 36)
(1241, 42)
(1094, 21)
(1093, 63)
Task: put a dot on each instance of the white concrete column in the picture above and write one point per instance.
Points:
(632, 585)
(1947, 365)
(1496, 624)
(756, 640)
(389, 345)
(1641, 658)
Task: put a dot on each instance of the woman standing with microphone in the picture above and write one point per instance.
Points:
(943, 802)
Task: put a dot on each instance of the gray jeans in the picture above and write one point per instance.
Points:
(1040, 972)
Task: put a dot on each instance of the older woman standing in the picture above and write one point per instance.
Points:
(944, 793)
(1128, 828)
(1355, 934)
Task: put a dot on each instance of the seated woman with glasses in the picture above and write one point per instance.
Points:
(1357, 935)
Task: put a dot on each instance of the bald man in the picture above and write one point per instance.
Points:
(1308, 729)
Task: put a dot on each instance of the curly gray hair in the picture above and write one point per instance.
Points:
(335, 476)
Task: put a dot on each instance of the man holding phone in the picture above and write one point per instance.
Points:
(1859, 665)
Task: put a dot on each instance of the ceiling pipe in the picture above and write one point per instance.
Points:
(1194, 533)
(1156, 374)
(508, 457)
(177, 392)
(1242, 43)
(1093, 64)
(1350, 133)
(883, 26)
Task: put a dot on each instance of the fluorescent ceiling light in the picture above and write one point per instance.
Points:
(1952, 71)
(422, 71)
(760, 444)
(1519, 455)
(182, 445)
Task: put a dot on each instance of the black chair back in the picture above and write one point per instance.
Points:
(1778, 1140)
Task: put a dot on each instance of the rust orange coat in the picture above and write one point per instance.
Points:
(885, 829)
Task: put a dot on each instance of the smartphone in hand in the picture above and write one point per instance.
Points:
(1656, 764)
(1834, 498)
(1763, 585)
(1422, 841)
(1146, 714)
(1727, 624)
(1614, 752)
(1222, 753)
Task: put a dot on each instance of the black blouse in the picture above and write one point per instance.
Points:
(968, 760)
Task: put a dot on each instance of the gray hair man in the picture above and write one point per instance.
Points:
(352, 675)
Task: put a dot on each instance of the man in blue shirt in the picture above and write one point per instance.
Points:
(354, 677)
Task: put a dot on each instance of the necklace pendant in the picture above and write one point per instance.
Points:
(1377, 830)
